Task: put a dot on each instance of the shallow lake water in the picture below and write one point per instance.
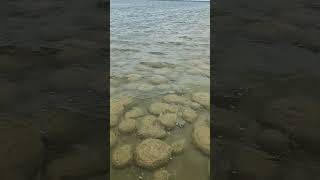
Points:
(160, 53)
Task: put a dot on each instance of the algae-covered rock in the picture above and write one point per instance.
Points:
(161, 175)
(158, 108)
(113, 138)
(125, 100)
(168, 120)
(122, 156)
(114, 119)
(201, 139)
(189, 114)
(128, 125)
(202, 98)
(149, 128)
(202, 120)
(178, 146)
(152, 153)
(173, 98)
(134, 113)
(116, 109)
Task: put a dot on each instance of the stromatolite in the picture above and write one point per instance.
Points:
(149, 128)
(122, 156)
(152, 153)
(128, 125)
(158, 108)
(168, 120)
(201, 138)
(202, 98)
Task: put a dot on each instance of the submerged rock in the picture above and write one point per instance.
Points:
(161, 175)
(202, 98)
(149, 128)
(159, 108)
(114, 118)
(117, 108)
(178, 146)
(152, 153)
(173, 98)
(203, 120)
(158, 79)
(134, 113)
(122, 156)
(125, 100)
(201, 138)
(133, 77)
(127, 125)
(113, 138)
(168, 120)
(189, 115)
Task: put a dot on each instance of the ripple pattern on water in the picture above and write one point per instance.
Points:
(160, 48)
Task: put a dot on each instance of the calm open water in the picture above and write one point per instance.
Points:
(172, 32)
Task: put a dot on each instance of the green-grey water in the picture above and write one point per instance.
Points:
(158, 49)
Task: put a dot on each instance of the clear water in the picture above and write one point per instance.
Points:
(168, 40)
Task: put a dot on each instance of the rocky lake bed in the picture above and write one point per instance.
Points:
(159, 90)
(158, 133)
(147, 138)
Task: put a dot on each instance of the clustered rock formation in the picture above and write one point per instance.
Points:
(152, 125)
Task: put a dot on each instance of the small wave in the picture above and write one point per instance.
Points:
(157, 53)
(125, 50)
